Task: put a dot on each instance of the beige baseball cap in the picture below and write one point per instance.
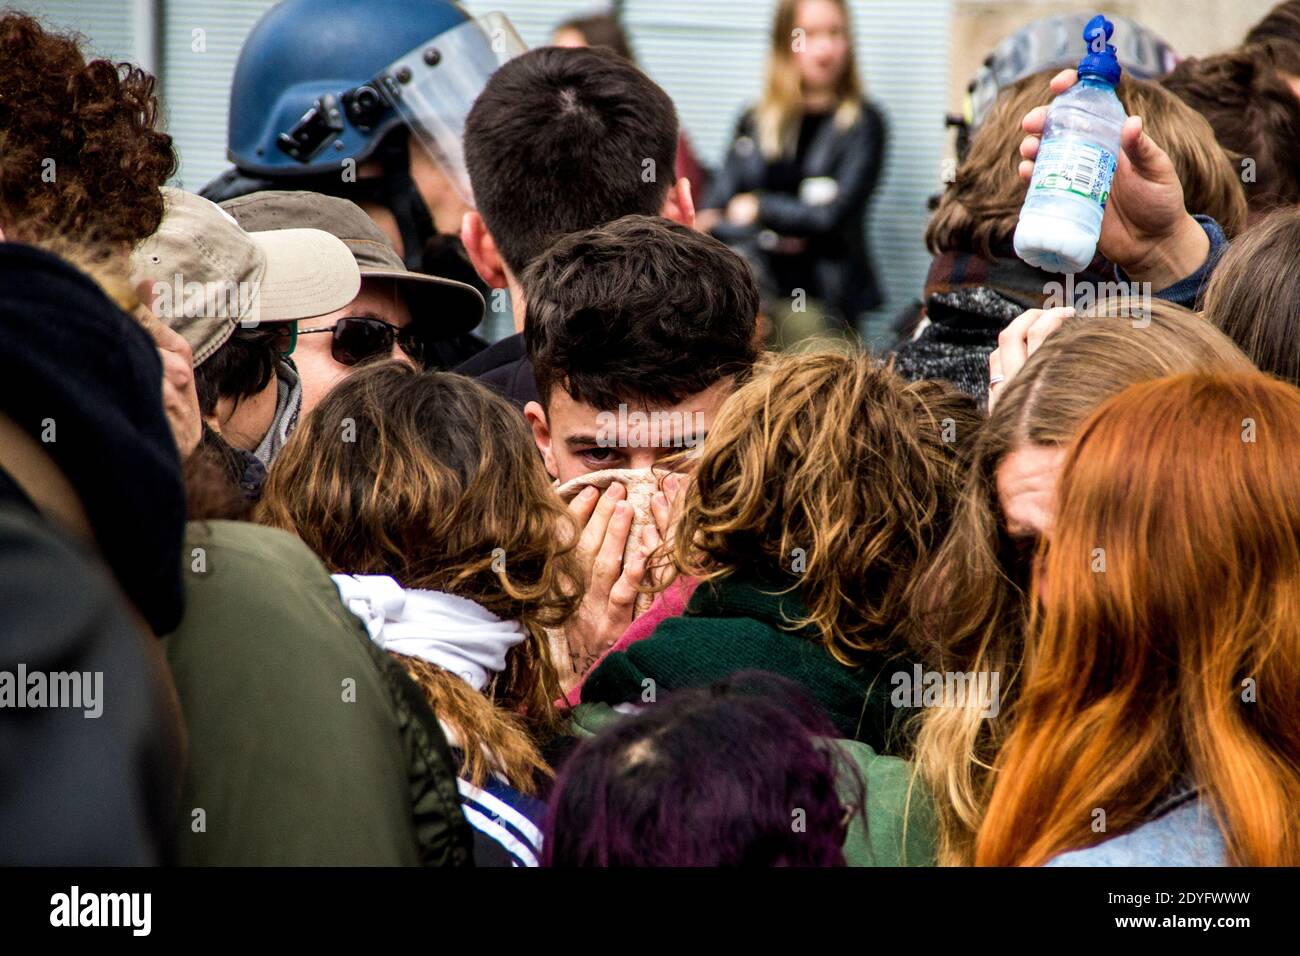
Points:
(207, 275)
(445, 307)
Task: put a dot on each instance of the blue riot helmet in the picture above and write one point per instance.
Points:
(321, 84)
(321, 81)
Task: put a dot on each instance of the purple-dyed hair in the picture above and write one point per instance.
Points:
(727, 775)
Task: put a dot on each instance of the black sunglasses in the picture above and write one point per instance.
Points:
(357, 339)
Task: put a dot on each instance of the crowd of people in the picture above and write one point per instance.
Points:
(646, 582)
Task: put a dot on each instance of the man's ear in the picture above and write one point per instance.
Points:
(482, 250)
(679, 204)
(536, 416)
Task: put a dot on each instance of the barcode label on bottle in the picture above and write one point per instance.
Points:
(1075, 167)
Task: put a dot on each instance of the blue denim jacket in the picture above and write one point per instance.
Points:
(1182, 831)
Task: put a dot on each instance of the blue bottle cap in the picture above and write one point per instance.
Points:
(1100, 60)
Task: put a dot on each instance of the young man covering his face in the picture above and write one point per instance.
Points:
(636, 332)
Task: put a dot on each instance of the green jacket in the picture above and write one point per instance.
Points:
(899, 827)
(732, 626)
(308, 745)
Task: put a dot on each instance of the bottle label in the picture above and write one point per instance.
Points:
(1075, 167)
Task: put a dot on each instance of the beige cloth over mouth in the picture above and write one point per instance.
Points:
(640, 484)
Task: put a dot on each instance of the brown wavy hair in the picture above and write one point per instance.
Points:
(97, 121)
(441, 488)
(979, 210)
(1254, 294)
(1134, 672)
(1281, 23)
(1255, 115)
(833, 453)
(970, 608)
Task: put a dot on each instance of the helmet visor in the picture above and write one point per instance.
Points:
(433, 87)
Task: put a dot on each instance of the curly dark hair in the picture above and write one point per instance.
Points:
(96, 122)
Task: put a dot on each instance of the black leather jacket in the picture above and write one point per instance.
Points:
(833, 231)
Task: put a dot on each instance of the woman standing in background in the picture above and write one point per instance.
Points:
(800, 171)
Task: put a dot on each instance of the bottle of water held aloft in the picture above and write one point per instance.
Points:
(1061, 218)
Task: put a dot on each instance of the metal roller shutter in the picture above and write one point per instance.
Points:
(197, 68)
(106, 24)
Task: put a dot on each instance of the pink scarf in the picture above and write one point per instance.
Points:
(670, 602)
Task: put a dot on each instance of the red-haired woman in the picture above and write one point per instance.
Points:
(1159, 723)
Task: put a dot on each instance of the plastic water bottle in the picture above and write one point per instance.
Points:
(1061, 218)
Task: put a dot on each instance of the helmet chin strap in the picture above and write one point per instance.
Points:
(403, 199)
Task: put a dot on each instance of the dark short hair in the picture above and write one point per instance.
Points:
(642, 309)
(559, 141)
(242, 367)
(1254, 115)
(657, 790)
